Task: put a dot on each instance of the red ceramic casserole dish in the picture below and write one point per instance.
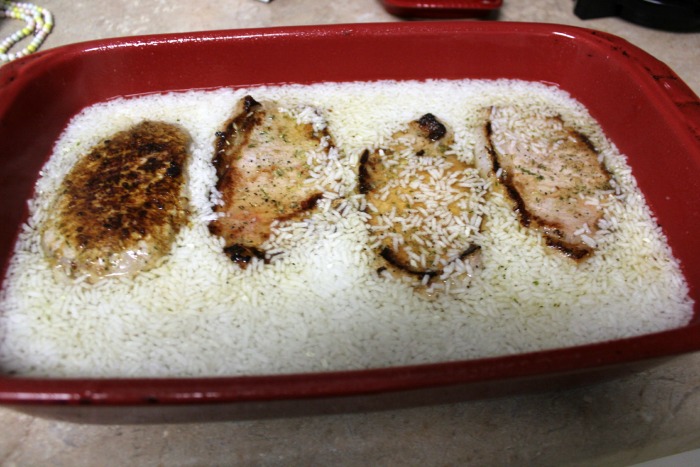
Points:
(441, 8)
(641, 104)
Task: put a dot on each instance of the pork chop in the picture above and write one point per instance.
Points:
(261, 161)
(120, 207)
(420, 200)
(551, 172)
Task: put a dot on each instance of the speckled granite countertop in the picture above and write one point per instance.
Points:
(647, 415)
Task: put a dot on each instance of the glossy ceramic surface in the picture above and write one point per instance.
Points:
(441, 8)
(650, 114)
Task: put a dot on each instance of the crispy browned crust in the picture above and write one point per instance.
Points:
(124, 194)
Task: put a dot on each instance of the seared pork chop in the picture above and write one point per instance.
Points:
(553, 175)
(421, 200)
(262, 167)
(120, 207)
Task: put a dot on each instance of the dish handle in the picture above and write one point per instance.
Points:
(671, 86)
(685, 100)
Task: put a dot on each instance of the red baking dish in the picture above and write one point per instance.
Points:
(641, 104)
(441, 8)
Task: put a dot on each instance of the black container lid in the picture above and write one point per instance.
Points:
(670, 15)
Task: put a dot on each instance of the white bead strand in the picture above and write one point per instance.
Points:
(39, 23)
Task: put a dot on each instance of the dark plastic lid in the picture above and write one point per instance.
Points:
(670, 15)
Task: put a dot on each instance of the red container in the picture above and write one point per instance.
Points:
(644, 108)
(441, 8)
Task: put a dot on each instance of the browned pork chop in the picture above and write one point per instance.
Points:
(552, 173)
(120, 207)
(262, 169)
(420, 198)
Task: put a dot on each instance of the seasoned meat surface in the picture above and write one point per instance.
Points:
(553, 175)
(262, 167)
(120, 207)
(420, 197)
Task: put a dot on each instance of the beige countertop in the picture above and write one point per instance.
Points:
(629, 420)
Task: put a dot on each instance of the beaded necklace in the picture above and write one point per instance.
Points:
(39, 24)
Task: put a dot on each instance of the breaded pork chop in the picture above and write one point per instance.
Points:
(551, 172)
(120, 207)
(262, 169)
(420, 198)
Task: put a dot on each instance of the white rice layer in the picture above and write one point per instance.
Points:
(321, 304)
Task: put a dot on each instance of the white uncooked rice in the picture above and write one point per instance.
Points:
(321, 304)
